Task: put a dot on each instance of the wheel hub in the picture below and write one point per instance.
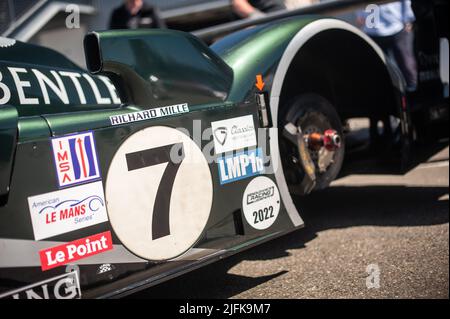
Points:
(322, 147)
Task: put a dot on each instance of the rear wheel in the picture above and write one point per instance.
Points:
(314, 115)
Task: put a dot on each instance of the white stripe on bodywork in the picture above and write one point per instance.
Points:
(17, 253)
(195, 254)
(25, 253)
(300, 39)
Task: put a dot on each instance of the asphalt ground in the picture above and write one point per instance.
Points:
(368, 221)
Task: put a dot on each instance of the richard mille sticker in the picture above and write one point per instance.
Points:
(149, 114)
(261, 203)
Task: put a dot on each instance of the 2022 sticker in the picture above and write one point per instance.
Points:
(261, 203)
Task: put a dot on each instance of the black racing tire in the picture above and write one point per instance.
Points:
(314, 113)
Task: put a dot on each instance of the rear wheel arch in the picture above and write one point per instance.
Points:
(319, 35)
(337, 61)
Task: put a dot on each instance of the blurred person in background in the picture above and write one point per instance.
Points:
(391, 27)
(134, 14)
(256, 8)
(294, 4)
(393, 31)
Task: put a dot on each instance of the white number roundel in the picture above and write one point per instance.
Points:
(159, 193)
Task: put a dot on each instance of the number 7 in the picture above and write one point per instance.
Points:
(161, 208)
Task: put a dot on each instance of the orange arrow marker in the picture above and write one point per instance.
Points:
(260, 82)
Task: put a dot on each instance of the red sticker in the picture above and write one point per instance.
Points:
(76, 250)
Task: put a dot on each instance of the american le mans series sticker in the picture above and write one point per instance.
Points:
(67, 210)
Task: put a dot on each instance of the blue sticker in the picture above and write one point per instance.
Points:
(240, 166)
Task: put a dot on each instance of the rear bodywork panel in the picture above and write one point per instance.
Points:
(191, 74)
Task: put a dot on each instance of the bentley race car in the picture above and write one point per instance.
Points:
(169, 154)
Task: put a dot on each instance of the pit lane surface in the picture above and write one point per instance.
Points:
(400, 223)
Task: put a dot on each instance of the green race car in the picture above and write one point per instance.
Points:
(169, 154)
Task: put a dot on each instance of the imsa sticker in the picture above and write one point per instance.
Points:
(67, 210)
(243, 165)
(75, 159)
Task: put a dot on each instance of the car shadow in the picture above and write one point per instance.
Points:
(335, 208)
(376, 161)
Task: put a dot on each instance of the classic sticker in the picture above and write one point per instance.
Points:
(66, 286)
(234, 134)
(243, 165)
(76, 250)
(67, 210)
(159, 192)
(149, 114)
(75, 159)
(261, 203)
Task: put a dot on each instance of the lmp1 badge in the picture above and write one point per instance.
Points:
(243, 165)
(159, 193)
(261, 203)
